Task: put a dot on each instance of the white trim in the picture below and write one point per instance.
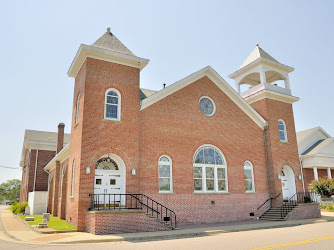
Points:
(118, 105)
(61, 156)
(89, 51)
(170, 164)
(269, 94)
(214, 105)
(252, 170)
(285, 131)
(219, 81)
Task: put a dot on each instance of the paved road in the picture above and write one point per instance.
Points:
(314, 236)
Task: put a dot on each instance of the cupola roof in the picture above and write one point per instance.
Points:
(256, 54)
(109, 41)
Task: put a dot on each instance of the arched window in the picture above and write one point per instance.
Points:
(77, 110)
(112, 105)
(165, 174)
(73, 178)
(249, 177)
(282, 131)
(210, 171)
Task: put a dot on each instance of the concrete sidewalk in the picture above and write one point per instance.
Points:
(17, 229)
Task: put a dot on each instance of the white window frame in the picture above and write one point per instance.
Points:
(285, 131)
(252, 171)
(118, 105)
(170, 164)
(73, 179)
(204, 166)
(77, 110)
(214, 105)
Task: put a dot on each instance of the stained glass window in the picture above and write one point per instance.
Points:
(209, 170)
(207, 106)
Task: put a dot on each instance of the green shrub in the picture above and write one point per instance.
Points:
(18, 208)
(323, 186)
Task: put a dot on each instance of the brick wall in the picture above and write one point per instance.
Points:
(305, 211)
(280, 153)
(121, 222)
(41, 184)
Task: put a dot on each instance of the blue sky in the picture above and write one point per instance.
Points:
(39, 39)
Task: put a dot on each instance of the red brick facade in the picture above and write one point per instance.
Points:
(172, 126)
(41, 183)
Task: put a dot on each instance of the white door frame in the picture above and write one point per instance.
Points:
(106, 175)
(288, 182)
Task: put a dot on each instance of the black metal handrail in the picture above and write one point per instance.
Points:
(268, 200)
(297, 198)
(133, 201)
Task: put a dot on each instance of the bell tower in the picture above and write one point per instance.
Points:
(269, 93)
(105, 117)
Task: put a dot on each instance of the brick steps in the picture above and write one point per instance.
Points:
(275, 214)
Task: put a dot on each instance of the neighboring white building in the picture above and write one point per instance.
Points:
(316, 151)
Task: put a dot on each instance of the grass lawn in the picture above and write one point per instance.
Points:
(54, 223)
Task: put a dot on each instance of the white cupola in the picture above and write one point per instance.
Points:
(260, 71)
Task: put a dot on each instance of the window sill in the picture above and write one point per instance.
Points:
(215, 193)
(285, 142)
(111, 120)
(71, 197)
(76, 125)
(251, 192)
(166, 193)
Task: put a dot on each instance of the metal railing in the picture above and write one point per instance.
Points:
(133, 201)
(269, 199)
(297, 198)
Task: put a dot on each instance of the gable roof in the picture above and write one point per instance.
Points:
(109, 41)
(302, 135)
(256, 54)
(219, 81)
(318, 146)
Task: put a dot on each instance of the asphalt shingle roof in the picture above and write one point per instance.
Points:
(109, 41)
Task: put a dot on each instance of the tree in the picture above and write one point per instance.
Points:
(10, 190)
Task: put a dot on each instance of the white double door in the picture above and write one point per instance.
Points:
(108, 187)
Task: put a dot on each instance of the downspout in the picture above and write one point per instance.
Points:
(47, 194)
(35, 170)
(27, 171)
(267, 160)
(301, 171)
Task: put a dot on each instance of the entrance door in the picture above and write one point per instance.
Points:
(107, 188)
(288, 182)
(285, 186)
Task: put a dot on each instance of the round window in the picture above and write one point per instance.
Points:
(207, 106)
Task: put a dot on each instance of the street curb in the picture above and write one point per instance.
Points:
(192, 233)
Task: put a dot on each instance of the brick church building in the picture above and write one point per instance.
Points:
(196, 151)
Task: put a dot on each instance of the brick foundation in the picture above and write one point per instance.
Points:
(106, 222)
(305, 211)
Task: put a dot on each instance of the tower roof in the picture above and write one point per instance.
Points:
(257, 53)
(109, 41)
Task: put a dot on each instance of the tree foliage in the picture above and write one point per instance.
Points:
(10, 190)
